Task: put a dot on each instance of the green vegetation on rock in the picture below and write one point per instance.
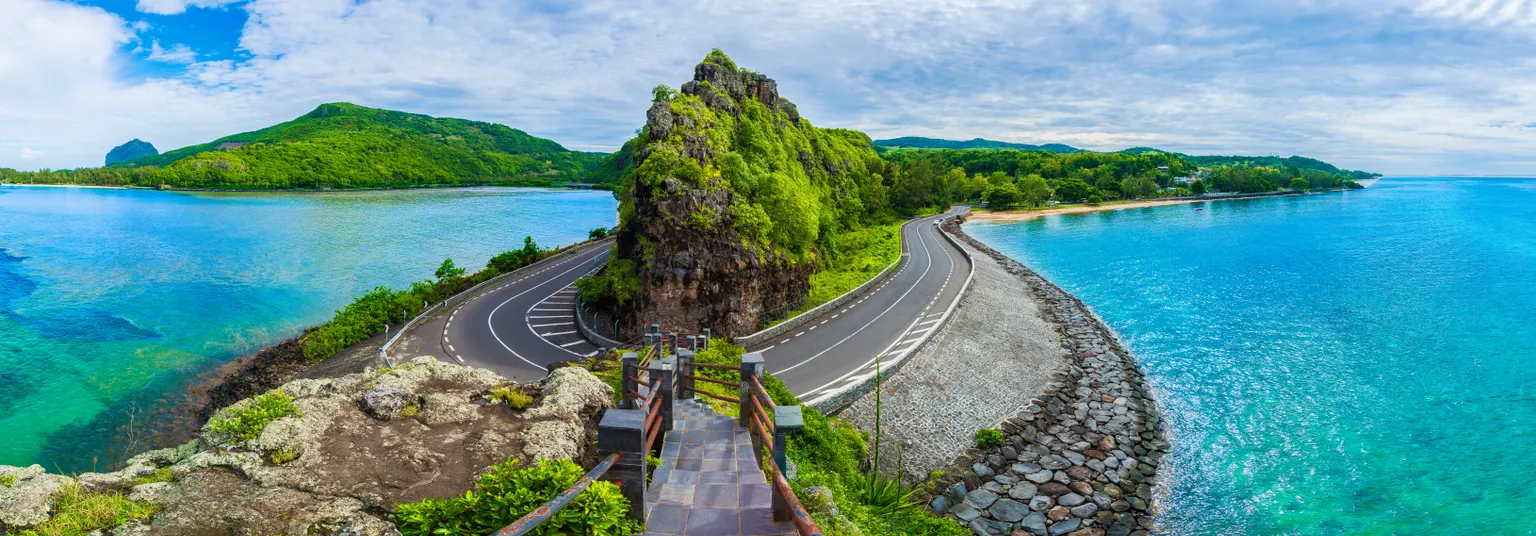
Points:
(341, 145)
(243, 422)
(507, 492)
(78, 510)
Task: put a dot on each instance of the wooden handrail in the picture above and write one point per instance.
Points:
(757, 412)
(713, 366)
(543, 513)
(801, 519)
(710, 380)
(758, 386)
(730, 399)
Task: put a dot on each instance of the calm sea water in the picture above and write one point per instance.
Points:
(1349, 363)
(111, 299)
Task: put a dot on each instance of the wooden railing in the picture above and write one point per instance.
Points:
(753, 408)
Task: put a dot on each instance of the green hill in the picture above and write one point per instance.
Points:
(915, 142)
(341, 146)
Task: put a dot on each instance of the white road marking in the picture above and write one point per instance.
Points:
(551, 316)
(768, 348)
(498, 307)
(552, 324)
(555, 334)
(572, 343)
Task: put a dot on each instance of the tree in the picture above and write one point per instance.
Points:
(597, 234)
(530, 248)
(448, 270)
(1072, 191)
(1034, 189)
(1300, 184)
(1108, 187)
(1003, 196)
(1140, 187)
(1095, 199)
(1197, 187)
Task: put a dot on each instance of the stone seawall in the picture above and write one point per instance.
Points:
(1081, 458)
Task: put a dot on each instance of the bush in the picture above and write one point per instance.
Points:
(506, 493)
(1095, 199)
(598, 233)
(988, 438)
(243, 424)
(7, 481)
(511, 396)
(77, 510)
(618, 283)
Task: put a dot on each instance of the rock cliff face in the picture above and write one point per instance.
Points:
(729, 190)
(359, 445)
(135, 148)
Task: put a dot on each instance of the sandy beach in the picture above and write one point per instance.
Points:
(1021, 215)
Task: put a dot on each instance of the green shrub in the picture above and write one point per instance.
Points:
(598, 233)
(77, 511)
(616, 284)
(162, 474)
(988, 438)
(506, 493)
(7, 481)
(1095, 199)
(511, 396)
(244, 424)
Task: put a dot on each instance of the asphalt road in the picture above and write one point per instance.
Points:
(840, 346)
(518, 327)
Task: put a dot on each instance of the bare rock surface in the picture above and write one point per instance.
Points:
(991, 358)
(358, 445)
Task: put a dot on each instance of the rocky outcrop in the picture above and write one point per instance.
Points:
(683, 214)
(358, 445)
(135, 148)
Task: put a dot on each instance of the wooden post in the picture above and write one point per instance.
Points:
(629, 365)
(621, 431)
(685, 369)
(751, 366)
(786, 419)
(666, 369)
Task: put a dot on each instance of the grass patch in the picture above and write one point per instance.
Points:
(511, 396)
(244, 423)
(7, 481)
(77, 510)
(283, 455)
(507, 492)
(988, 438)
(850, 260)
(162, 474)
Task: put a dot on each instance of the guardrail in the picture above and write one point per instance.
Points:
(776, 330)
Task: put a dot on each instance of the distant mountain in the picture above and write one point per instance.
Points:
(342, 145)
(135, 148)
(914, 142)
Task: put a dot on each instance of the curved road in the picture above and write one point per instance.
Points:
(518, 327)
(839, 348)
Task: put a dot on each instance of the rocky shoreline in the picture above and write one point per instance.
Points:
(1082, 458)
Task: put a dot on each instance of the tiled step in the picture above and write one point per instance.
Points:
(709, 482)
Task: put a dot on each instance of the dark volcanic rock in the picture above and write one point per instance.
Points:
(135, 148)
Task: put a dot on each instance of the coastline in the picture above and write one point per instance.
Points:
(1083, 455)
(1025, 215)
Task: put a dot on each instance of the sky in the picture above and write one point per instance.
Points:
(1402, 87)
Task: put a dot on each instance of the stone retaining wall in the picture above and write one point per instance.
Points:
(1081, 458)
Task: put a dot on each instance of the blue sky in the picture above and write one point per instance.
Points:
(1404, 87)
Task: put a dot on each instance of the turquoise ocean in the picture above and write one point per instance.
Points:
(1345, 363)
(112, 301)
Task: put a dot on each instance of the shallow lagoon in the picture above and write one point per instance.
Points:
(111, 299)
(1348, 363)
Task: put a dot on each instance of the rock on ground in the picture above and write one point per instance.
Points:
(988, 361)
(360, 444)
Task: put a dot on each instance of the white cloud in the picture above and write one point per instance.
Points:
(1403, 86)
(177, 54)
(174, 7)
(28, 153)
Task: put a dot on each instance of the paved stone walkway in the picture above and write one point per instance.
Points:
(709, 482)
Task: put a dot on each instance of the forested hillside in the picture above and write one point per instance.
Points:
(343, 145)
(915, 142)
